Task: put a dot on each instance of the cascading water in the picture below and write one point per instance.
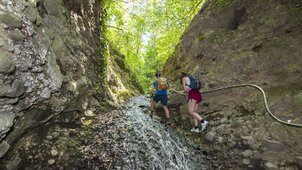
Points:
(150, 145)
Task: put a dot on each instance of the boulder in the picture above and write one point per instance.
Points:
(17, 89)
(32, 14)
(11, 20)
(7, 64)
(5, 123)
(17, 36)
(53, 8)
(4, 89)
(273, 145)
(270, 166)
(247, 153)
(210, 136)
(246, 161)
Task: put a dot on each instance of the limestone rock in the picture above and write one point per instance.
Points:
(4, 89)
(5, 123)
(11, 20)
(54, 152)
(11, 101)
(223, 129)
(51, 161)
(55, 135)
(7, 64)
(34, 2)
(247, 153)
(246, 161)
(53, 8)
(32, 14)
(4, 146)
(273, 145)
(17, 89)
(271, 166)
(17, 36)
(13, 163)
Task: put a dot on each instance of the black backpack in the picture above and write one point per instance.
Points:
(195, 83)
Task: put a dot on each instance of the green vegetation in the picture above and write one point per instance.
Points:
(223, 3)
(147, 31)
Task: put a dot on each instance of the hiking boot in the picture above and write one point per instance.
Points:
(204, 125)
(195, 130)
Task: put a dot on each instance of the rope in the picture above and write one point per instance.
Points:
(264, 100)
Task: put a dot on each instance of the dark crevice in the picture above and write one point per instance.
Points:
(41, 8)
(177, 68)
(200, 56)
(74, 5)
(257, 48)
(238, 19)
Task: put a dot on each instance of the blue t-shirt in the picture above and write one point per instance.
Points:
(155, 84)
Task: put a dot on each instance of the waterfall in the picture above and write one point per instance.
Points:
(151, 145)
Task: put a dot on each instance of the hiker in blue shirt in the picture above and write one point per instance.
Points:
(161, 86)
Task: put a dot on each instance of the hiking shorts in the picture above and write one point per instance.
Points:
(163, 98)
(195, 95)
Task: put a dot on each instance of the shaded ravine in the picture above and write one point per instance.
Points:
(152, 145)
(125, 139)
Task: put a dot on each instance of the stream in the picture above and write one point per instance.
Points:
(152, 145)
(127, 139)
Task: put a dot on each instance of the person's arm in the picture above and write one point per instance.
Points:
(153, 89)
(185, 84)
(169, 85)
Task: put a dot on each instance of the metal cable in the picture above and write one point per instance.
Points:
(264, 100)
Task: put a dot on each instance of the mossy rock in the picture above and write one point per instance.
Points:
(11, 20)
(58, 45)
(7, 64)
(17, 36)
(123, 94)
(298, 101)
(32, 14)
(53, 7)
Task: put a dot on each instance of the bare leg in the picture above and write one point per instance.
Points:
(166, 112)
(195, 110)
(152, 105)
(192, 106)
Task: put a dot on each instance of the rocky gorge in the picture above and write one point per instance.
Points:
(63, 105)
(240, 42)
(51, 63)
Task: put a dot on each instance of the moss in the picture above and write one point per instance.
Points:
(71, 143)
(293, 68)
(274, 93)
(222, 3)
(213, 38)
(298, 101)
(285, 72)
(123, 94)
(201, 37)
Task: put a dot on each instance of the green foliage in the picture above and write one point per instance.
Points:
(147, 31)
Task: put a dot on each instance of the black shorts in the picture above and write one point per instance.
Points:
(163, 98)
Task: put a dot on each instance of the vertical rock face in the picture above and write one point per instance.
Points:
(48, 58)
(244, 41)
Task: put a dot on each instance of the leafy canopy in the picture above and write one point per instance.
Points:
(147, 31)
